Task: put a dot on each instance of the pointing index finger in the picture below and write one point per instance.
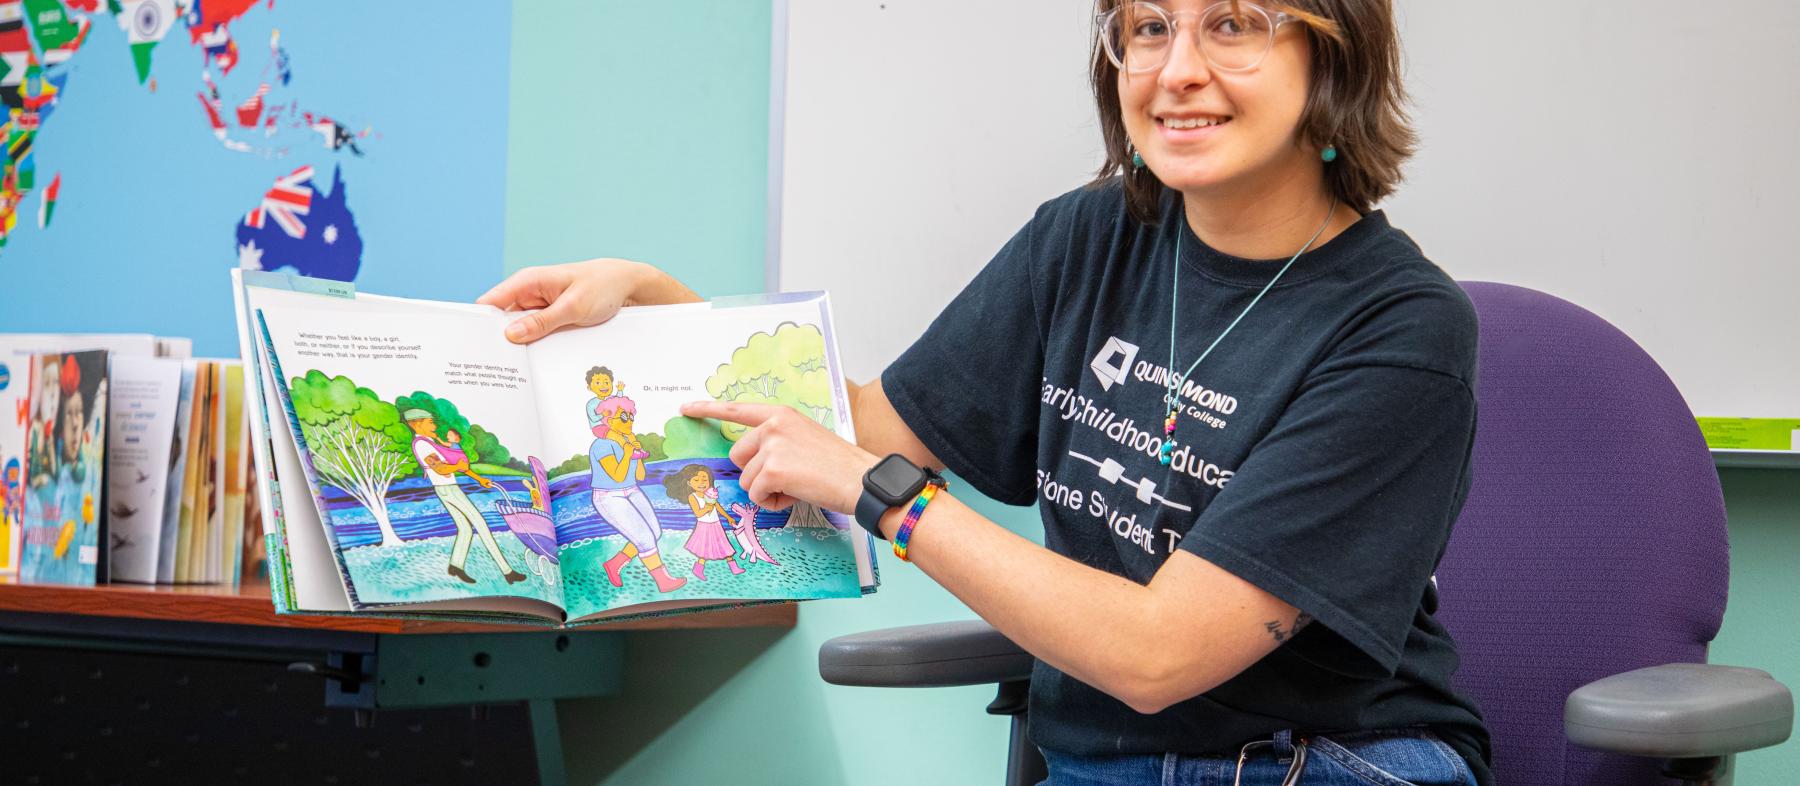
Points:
(746, 414)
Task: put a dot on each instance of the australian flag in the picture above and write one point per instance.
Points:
(295, 226)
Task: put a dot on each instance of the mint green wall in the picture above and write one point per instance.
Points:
(640, 130)
(1762, 624)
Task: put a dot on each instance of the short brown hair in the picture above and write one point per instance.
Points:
(1355, 102)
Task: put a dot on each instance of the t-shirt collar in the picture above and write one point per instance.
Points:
(1230, 269)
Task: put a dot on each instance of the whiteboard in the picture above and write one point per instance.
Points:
(1636, 158)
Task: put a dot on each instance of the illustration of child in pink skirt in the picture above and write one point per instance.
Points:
(695, 484)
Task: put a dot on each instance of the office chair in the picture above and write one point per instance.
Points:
(1583, 580)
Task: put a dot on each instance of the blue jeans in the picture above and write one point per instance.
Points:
(1407, 757)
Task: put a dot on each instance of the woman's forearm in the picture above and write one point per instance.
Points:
(1057, 618)
(1134, 642)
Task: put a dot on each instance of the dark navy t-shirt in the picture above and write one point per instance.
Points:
(1323, 453)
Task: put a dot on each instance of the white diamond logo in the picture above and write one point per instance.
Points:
(1104, 365)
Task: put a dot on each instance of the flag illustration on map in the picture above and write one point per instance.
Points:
(15, 52)
(294, 225)
(145, 23)
(48, 208)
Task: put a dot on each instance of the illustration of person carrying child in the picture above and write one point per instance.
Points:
(440, 461)
(617, 463)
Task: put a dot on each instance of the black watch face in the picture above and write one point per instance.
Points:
(894, 477)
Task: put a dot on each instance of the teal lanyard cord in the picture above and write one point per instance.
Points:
(1174, 297)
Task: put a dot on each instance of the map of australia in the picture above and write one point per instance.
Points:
(292, 225)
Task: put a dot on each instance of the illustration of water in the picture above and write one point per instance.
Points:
(415, 512)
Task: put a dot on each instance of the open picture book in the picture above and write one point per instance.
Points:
(416, 462)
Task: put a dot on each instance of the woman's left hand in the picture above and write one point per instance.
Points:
(786, 456)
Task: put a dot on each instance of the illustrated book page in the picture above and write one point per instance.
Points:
(407, 443)
(648, 507)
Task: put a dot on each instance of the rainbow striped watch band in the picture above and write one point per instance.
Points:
(904, 535)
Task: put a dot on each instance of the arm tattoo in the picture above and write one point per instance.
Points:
(1275, 630)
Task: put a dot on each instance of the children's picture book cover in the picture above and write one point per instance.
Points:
(448, 464)
(16, 350)
(64, 480)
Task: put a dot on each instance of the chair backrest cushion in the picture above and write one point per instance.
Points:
(1593, 540)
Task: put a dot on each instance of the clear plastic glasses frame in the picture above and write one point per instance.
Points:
(1138, 37)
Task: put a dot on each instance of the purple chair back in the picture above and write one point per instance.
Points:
(1593, 540)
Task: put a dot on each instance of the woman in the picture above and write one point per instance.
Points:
(616, 462)
(1240, 399)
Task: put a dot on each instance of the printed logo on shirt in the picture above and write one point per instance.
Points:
(1103, 367)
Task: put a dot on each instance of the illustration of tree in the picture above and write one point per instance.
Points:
(785, 367)
(685, 438)
(486, 445)
(357, 441)
(576, 463)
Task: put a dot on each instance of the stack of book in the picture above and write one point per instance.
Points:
(122, 458)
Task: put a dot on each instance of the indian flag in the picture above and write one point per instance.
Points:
(145, 23)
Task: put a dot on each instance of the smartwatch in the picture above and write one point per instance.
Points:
(892, 482)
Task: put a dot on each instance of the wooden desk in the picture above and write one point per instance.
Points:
(251, 605)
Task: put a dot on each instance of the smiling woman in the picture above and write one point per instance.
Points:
(1262, 581)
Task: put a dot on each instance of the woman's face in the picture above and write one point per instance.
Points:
(1254, 114)
(620, 422)
(700, 481)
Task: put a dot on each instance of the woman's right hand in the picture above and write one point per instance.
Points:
(580, 294)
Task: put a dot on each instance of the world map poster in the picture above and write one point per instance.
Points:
(152, 144)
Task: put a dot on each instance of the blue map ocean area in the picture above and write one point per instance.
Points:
(815, 561)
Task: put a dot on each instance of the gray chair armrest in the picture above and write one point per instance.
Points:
(924, 656)
(1680, 710)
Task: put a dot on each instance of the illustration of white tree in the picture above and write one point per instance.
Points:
(784, 367)
(358, 461)
(356, 440)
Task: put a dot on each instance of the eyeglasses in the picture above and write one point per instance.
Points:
(1138, 37)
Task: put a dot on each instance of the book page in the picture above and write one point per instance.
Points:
(416, 432)
(304, 574)
(144, 393)
(177, 475)
(648, 508)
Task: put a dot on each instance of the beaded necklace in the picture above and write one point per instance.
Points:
(1171, 396)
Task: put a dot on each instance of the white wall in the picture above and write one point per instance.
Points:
(921, 134)
(1637, 157)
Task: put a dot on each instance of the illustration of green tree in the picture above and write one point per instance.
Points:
(785, 367)
(685, 438)
(357, 441)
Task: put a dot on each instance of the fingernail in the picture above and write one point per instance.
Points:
(515, 331)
